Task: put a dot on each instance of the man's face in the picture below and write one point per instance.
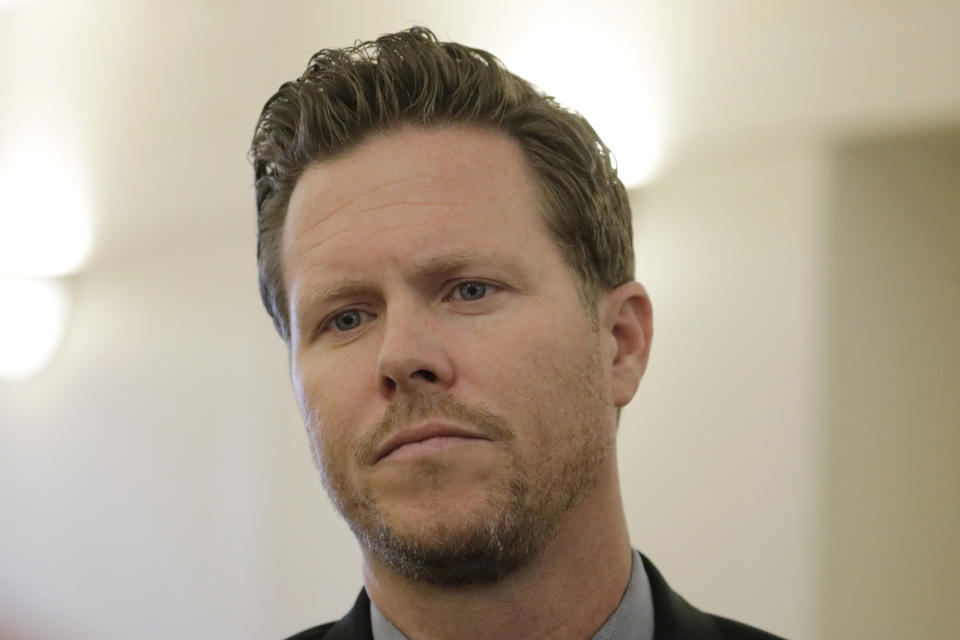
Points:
(453, 386)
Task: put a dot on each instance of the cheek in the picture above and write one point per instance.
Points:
(530, 370)
(547, 348)
(335, 398)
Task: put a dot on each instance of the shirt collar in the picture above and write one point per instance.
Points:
(633, 619)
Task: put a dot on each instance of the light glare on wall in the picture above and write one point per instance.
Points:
(627, 122)
(45, 232)
(632, 131)
(622, 98)
(31, 324)
(44, 209)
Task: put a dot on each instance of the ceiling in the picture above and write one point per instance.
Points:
(154, 102)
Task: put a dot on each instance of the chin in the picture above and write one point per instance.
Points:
(449, 553)
(449, 543)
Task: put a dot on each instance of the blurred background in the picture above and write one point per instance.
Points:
(792, 458)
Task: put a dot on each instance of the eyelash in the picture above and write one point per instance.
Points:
(488, 287)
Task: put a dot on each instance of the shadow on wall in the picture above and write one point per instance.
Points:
(892, 517)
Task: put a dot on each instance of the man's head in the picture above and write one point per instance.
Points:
(459, 345)
(348, 95)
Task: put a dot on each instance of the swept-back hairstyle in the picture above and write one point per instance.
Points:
(409, 78)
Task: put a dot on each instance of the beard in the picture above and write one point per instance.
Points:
(523, 507)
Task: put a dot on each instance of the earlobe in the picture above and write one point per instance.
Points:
(628, 317)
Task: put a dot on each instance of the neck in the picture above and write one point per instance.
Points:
(566, 593)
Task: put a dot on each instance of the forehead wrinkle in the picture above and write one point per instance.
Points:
(360, 195)
(348, 202)
(312, 247)
(320, 243)
(302, 236)
(403, 203)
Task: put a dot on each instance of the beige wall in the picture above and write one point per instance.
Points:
(155, 481)
(798, 433)
(719, 449)
(892, 454)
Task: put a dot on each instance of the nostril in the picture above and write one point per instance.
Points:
(429, 376)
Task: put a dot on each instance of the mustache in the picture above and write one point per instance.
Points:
(402, 412)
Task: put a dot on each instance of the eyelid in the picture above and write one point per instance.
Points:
(325, 325)
(452, 289)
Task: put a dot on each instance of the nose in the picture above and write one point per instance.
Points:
(412, 357)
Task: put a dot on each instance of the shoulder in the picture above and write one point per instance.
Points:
(314, 633)
(676, 619)
(353, 626)
(733, 630)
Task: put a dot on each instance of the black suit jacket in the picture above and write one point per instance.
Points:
(674, 619)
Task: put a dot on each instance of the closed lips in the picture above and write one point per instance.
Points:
(422, 433)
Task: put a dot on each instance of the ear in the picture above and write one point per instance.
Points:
(626, 317)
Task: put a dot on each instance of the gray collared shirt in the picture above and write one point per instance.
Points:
(633, 619)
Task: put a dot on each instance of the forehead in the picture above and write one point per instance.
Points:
(409, 193)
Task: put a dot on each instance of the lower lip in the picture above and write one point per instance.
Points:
(428, 447)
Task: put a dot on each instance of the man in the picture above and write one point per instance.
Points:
(448, 255)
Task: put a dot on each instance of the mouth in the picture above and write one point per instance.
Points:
(425, 438)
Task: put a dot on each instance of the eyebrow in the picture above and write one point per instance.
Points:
(451, 263)
(342, 289)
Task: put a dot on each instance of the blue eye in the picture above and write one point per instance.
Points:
(472, 290)
(348, 320)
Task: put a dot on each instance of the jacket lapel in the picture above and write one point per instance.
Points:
(356, 624)
(673, 617)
